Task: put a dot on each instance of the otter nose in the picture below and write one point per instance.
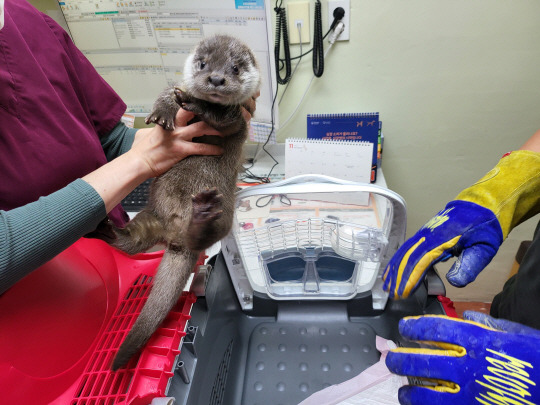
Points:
(216, 80)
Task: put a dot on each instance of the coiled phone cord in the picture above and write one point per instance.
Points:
(318, 51)
(281, 28)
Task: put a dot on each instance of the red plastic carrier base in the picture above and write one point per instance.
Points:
(61, 326)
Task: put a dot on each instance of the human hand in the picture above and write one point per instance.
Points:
(160, 149)
(250, 106)
(472, 227)
(503, 325)
(470, 364)
(463, 229)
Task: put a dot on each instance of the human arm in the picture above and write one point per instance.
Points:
(533, 143)
(34, 233)
(473, 226)
(154, 151)
(118, 141)
(477, 360)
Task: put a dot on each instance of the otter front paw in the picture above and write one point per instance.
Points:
(164, 109)
(162, 118)
(188, 103)
(180, 95)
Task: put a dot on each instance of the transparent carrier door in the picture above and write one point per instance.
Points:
(313, 237)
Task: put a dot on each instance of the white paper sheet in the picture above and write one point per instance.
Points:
(374, 386)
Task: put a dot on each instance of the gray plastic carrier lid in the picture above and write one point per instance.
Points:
(313, 237)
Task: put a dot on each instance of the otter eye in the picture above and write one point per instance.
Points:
(235, 69)
(202, 64)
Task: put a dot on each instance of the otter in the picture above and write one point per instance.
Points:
(191, 206)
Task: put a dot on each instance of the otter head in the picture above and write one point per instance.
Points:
(222, 70)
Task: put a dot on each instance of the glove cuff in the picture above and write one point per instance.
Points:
(511, 190)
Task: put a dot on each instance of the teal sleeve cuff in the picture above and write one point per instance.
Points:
(33, 234)
(118, 141)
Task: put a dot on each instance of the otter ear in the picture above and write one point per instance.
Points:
(188, 68)
(255, 70)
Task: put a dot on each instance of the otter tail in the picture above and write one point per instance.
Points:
(140, 234)
(169, 282)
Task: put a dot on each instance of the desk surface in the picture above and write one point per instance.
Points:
(263, 163)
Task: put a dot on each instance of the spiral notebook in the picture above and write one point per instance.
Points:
(347, 160)
(349, 127)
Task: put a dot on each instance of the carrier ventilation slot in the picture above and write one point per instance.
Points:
(220, 382)
(100, 386)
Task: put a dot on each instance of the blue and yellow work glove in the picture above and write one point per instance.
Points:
(472, 227)
(471, 363)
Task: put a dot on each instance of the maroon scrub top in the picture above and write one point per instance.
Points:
(54, 107)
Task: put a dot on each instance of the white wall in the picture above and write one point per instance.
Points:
(457, 84)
